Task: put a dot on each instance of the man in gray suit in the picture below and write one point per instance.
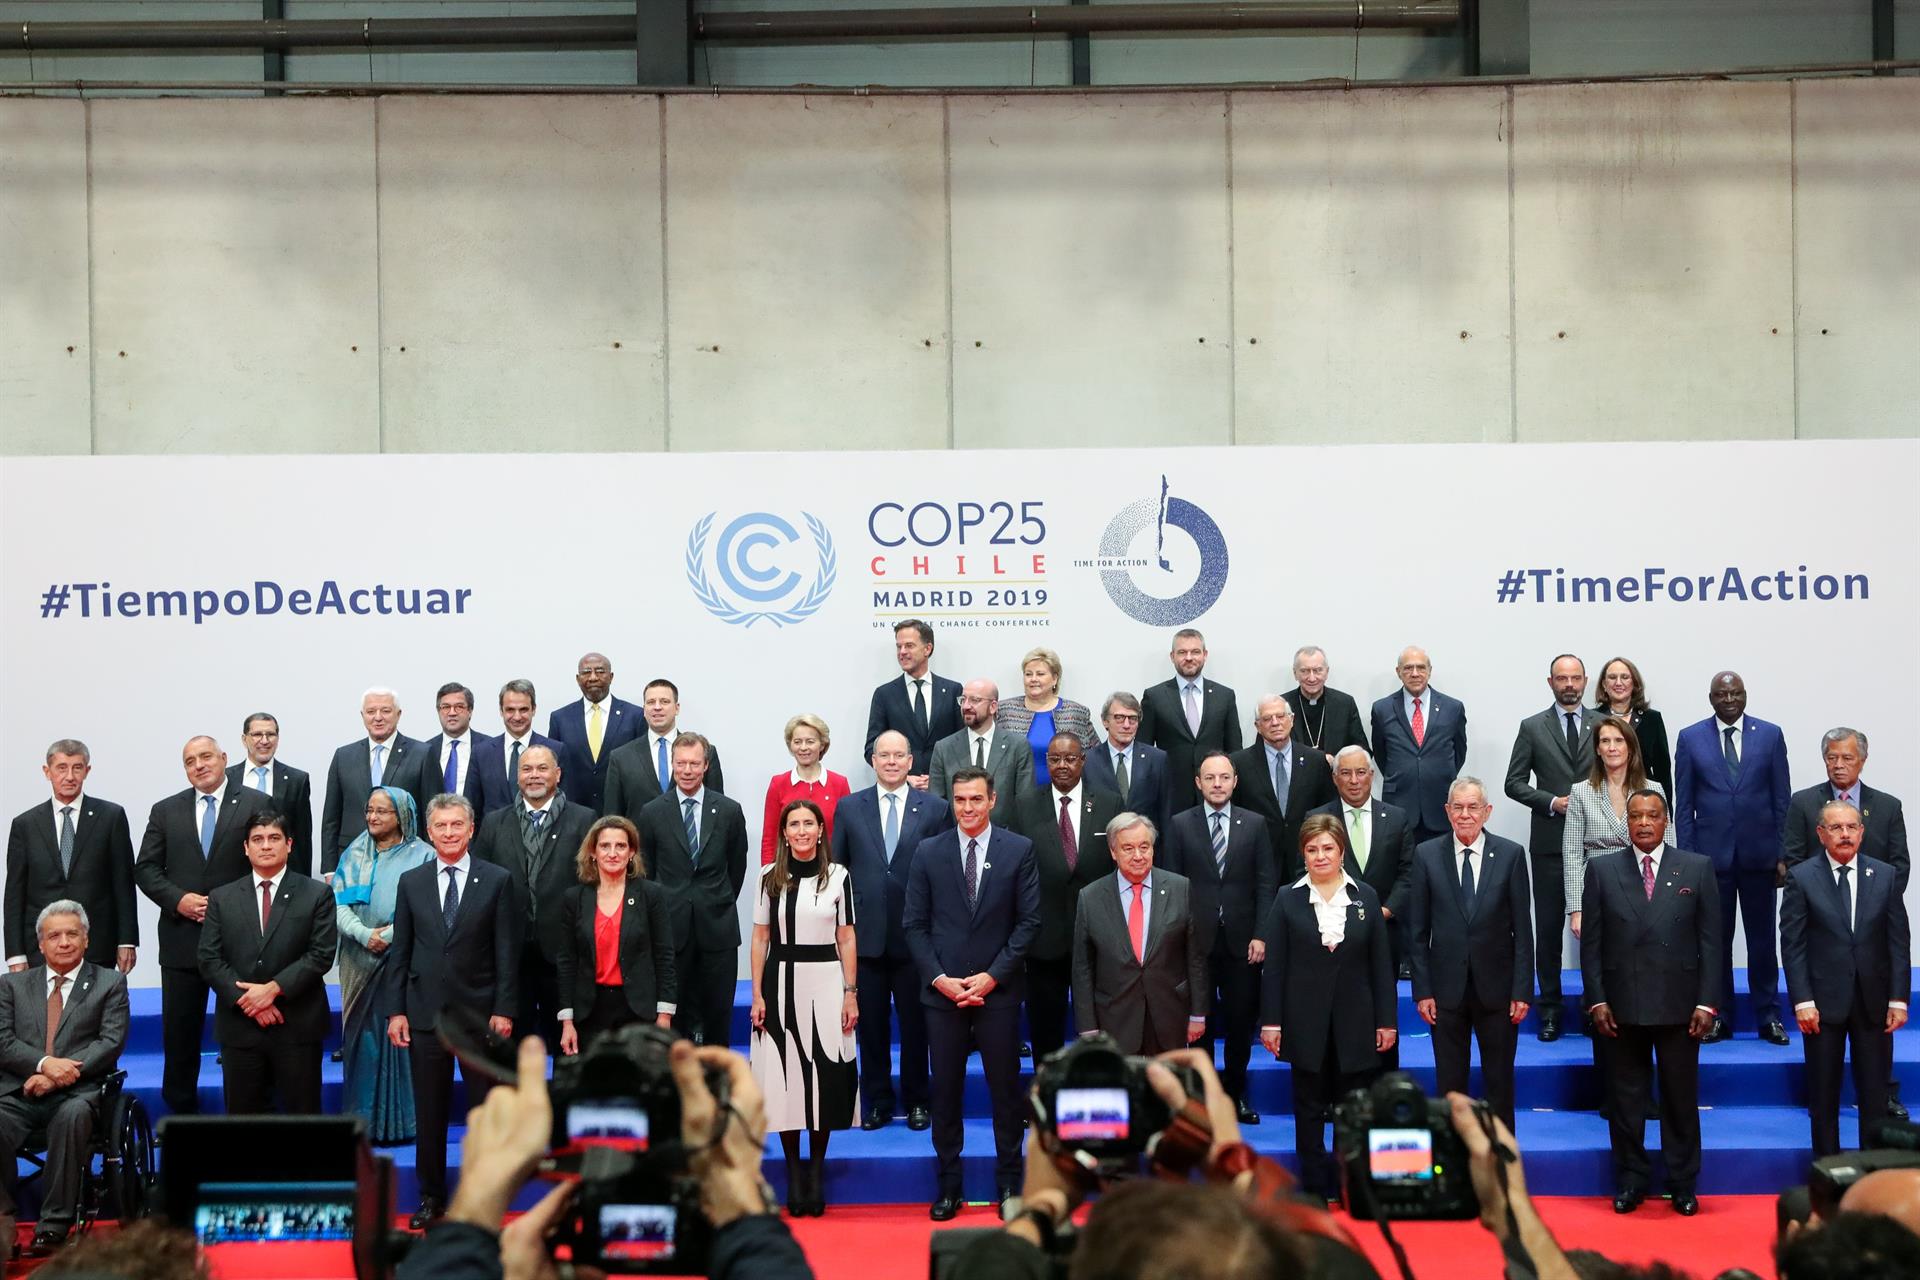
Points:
(1139, 971)
(983, 744)
(63, 1024)
(1552, 751)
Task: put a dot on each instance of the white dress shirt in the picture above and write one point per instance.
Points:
(1739, 728)
(461, 765)
(219, 795)
(463, 871)
(252, 780)
(253, 879)
(1330, 913)
(386, 754)
(79, 806)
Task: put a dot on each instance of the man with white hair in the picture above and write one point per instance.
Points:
(385, 757)
(1324, 719)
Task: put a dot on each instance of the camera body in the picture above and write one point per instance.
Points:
(616, 1115)
(1095, 1100)
(1400, 1158)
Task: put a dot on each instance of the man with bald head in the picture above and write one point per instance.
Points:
(1843, 934)
(384, 757)
(1891, 1193)
(1281, 781)
(1420, 744)
(196, 841)
(983, 744)
(1730, 797)
(593, 727)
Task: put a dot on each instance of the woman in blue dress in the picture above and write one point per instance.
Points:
(1042, 712)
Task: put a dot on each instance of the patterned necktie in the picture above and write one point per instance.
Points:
(1069, 843)
(920, 705)
(1419, 725)
(1846, 897)
(451, 907)
(54, 1005)
(1731, 753)
(1573, 734)
(1192, 699)
(379, 751)
(1120, 778)
(533, 821)
(596, 727)
(891, 832)
(452, 778)
(1220, 844)
(66, 840)
(693, 830)
(1137, 925)
(973, 873)
(266, 905)
(1646, 874)
(207, 820)
(660, 762)
(1357, 837)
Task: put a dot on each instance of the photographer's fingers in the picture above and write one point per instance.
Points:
(523, 1242)
(1467, 1124)
(697, 1106)
(1166, 1086)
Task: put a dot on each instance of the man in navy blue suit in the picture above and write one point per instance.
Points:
(497, 763)
(1730, 802)
(1420, 744)
(1129, 768)
(875, 831)
(593, 726)
(448, 765)
(920, 705)
(973, 906)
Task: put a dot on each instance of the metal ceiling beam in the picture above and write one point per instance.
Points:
(663, 42)
(1499, 38)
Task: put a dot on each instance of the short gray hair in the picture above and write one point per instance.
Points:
(519, 685)
(380, 691)
(1352, 749)
(1128, 821)
(1840, 734)
(60, 907)
(448, 800)
(1464, 781)
(1848, 805)
(1119, 699)
(75, 747)
(1306, 651)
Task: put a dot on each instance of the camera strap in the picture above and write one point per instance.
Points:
(1182, 1146)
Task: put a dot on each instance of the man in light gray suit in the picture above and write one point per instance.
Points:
(983, 744)
(1139, 971)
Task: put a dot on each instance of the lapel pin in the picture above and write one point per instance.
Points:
(1362, 912)
(1868, 870)
(986, 866)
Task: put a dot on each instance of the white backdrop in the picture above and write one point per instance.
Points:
(1360, 550)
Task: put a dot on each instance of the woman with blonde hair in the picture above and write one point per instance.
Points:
(1041, 712)
(809, 779)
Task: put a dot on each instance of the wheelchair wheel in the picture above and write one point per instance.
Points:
(128, 1167)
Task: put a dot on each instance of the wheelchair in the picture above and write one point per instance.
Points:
(119, 1178)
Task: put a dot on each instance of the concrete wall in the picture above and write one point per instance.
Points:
(1677, 261)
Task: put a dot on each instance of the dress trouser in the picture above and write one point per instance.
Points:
(1049, 990)
(183, 1025)
(995, 1029)
(1549, 924)
(432, 1066)
(1633, 1056)
(889, 989)
(1753, 892)
(540, 1003)
(68, 1119)
(1453, 1033)
(610, 1012)
(253, 1075)
(1826, 1053)
(1313, 1093)
(1235, 1006)
(706, 993)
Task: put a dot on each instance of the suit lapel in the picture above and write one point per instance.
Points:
(708, 821)
(229, 810)
(85, 978)
(282, 900)
(1156, 922)
(33, 1018)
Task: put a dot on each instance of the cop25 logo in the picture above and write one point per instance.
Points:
(1120, 565)
(754, 589)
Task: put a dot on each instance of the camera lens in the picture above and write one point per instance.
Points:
(1402, 1113)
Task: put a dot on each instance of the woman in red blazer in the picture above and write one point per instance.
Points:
(807, 741)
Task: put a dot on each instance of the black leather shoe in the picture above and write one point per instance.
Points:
(47, 1241)
(1629, 1200)
(1896, 1108)
(944, 1209)
(919, 1118)
(1721, 1031)
(877, 1119)
(1246, 1114)
(430, 1211)
(1549, 1027)
(1000, 1200)
(1686, 1204)
(1772, 1032)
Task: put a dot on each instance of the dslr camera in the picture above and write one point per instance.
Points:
(1097, 1104)
(1400, 1159)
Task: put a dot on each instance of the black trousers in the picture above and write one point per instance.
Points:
(1549, 924)
(432, 1068)
(995, 1029)
(183, 1025)
(1634, 1056)
(1049, 994)
(610, 1012)
(1313, 1093)
(1454, 1030)
(255, 1075)
(1754, 893)
(539, 1006)
(1826, 1055)
(706, 994)
(1235, 1006)
(68, 1119)
(890, 989)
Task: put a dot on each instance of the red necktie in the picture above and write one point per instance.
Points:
(1419, 724)
(1646, 874)
(1069, 845)
(266, 904)
(1137, 925)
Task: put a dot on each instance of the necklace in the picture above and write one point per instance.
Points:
(1313, 735)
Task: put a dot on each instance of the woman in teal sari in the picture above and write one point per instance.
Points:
(378, 1083)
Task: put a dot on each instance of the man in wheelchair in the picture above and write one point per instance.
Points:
(63, 1024)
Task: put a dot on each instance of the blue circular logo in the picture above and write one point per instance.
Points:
(757, 588)
(1121, 583)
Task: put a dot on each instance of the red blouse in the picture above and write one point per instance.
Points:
(825, 793)
(606, 945)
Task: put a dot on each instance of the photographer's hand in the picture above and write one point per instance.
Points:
(1505, 1208)
(523, 1242)
(729, 1170)
(1052, 1185)
(506, 1136)
(1221, 1115)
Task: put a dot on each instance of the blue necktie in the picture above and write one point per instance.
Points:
(1220, 844)
(451, 907)
(207, 818)
(453, 766)
(260, 779)
(693, 832)
(378, 752)
(893, 826)
(1732, 754)
(660, 762)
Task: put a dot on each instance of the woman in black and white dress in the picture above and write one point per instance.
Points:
(805, 1005)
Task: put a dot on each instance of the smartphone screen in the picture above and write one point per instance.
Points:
(608, 1122)
(1401, 1156)
(277, 1230)
(636, 1232)
(1090, 1115)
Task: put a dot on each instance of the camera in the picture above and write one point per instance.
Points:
(1400, 1158)
(1830, 1176)
(1096, 1101)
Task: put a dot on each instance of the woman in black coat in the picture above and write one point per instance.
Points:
(1327, 992)
(617, 966)
(1623, 693)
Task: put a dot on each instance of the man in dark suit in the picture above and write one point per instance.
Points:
(290, 789)
(385, 757)
(875, 831)
(448, 757)
(642, 771)
(1325, 720)
(1730, 802)
(919, 705)
(537, 841)
(1188, 716)
(1129, 768)
(696, 839)
(456, 943)
(1139, 971)
(63, 1023)
(265, 950)
(497, 764)
(1281, 781)
(983, 744)
(1226, 855)
(1552, 751)
(1844, 751)
(196, 841)
(76, 847)
(593, 726)
(973, 906)
(1066, 821)
(1379, 850)
(1420, 742)
(1843, 933)
(1471, 944)
(1649, 954)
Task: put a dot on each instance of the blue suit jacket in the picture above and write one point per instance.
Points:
(880, 887)
(489, 771)
(1736, 823)
(1149, 790)
(1416, 778)
(583, 782)
(946, 938)
(433, 770)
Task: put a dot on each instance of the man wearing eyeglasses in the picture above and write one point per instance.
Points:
(983, 744)
(290, 789)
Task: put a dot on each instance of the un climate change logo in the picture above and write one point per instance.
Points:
(1119, 563)
(740, 557)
